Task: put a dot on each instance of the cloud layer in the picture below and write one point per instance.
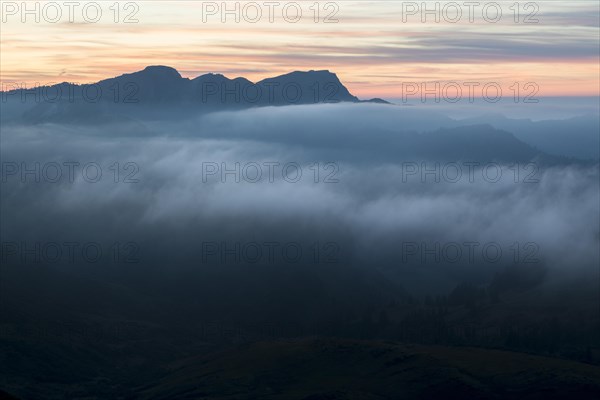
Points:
(308, 178)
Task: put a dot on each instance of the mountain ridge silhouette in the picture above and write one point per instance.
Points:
(164, 84)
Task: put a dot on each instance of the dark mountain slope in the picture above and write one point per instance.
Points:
(349, 369)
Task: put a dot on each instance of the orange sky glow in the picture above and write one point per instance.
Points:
(375, 47)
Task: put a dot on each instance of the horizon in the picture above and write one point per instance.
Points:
(48, 83)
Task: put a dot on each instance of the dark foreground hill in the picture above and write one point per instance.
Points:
(319, 369)
(341, 369)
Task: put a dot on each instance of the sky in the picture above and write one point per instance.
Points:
(377, 48)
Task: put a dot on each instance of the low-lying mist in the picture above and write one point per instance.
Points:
(358, 186)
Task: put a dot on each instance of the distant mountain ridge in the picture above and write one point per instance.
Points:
(162, 84)
(573, 137)
(158, 92)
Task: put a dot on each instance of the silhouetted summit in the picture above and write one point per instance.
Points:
(308, 87)
(153, 84)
